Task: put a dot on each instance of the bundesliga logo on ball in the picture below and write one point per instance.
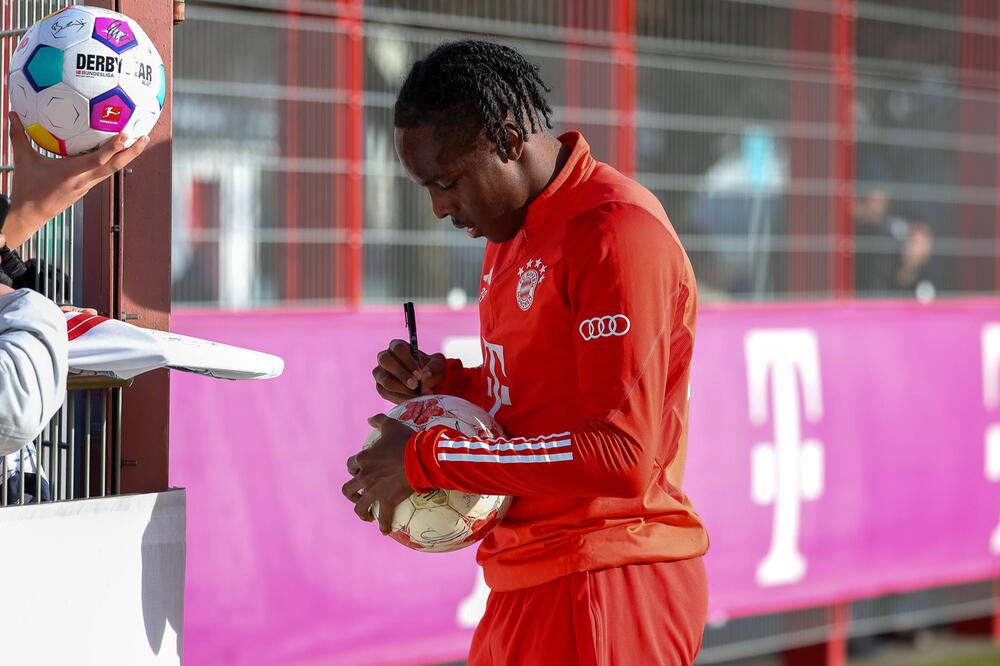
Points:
(81, 75)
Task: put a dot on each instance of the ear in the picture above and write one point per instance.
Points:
(513, 141)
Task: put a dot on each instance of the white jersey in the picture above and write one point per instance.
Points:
(33, 366)
(98, 345)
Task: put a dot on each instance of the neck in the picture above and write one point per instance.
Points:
(544, 159)
(548, 161)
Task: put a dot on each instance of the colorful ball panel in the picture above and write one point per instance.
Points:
(162, 95)
(46, 140)
(63, 111)
(111, 111)
(116, 33)
(22, 96)
(44, 67)
(66, 28)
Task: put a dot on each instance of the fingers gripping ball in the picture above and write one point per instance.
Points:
(81, 75)
(444, 520)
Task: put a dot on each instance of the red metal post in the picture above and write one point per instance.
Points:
(349, 121)
(996, 134)
(573, 95)
(976, 62)
(832, 652)
(338, 149)
(291, 147)
(799, 212)
(353, 138)
(843, 154)
(7, 46)
(624, 84)
(127, 229)
(983, 626)
(996, 612)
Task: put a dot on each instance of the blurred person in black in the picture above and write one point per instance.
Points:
(890, 251)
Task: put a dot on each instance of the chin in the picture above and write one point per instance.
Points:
(495, 235)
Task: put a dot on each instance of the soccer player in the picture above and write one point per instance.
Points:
(587, 314)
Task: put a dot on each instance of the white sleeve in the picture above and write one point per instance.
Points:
(33, 366)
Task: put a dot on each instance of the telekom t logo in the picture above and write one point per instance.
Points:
(497, 372)
(991, 400)
(789, 469)
(466, 349)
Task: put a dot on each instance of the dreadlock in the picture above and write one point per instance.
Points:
(460, 83)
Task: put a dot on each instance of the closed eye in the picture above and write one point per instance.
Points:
(450, 185)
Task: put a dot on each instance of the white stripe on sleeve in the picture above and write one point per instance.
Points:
(503, 446)
(479, 458)
(540, 438)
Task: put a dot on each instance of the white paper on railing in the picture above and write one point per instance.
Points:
(102, 346)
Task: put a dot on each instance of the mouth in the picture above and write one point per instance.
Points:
(470, 229)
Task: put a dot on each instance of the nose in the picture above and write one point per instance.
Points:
(442, 206)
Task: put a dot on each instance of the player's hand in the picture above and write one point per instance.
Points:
(397, 374)
(379, 473)
(45, 186)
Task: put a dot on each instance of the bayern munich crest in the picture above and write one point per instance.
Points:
(530, 276)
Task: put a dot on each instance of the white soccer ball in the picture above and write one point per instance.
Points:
(81, 75)
(444, 520)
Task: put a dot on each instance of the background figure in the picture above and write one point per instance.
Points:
(891, 252)
(740, 211)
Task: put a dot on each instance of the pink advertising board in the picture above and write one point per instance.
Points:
(836, 452)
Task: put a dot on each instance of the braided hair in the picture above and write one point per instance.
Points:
(473, 85)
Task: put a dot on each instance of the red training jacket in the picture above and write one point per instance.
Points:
(587, 319)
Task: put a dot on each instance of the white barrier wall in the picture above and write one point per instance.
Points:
(98, 581)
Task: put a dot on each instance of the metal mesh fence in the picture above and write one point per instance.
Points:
(78, 452)
(725, 642)
(803, 148)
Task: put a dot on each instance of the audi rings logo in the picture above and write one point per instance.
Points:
(605, 327)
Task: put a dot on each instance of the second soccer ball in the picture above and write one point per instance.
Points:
(445, 520)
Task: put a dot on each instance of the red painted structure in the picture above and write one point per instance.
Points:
(842, 158)
(290, 144)
(350, 135)
(623, 81)
(330, 197)
(126, 241)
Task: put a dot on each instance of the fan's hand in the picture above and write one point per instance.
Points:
(46, 186)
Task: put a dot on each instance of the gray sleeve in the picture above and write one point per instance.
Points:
(33, 366)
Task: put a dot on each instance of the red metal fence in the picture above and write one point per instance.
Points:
(764, 126)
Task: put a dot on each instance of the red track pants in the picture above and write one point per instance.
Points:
(635, 615)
